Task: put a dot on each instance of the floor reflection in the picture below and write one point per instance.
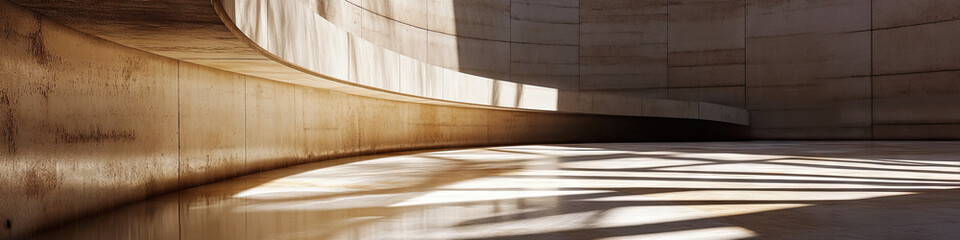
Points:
(781, 190)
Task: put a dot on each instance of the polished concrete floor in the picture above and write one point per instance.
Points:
(745, 190)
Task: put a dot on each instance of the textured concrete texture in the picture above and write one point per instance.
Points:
(542, 49)
(805, 69)
(88, 125)
(707, 51)
(398, 57)
(84, 123)
(746, 190)
(292, 42)
(793, 52)
(485, 77)
(623, 44)
(916, 68)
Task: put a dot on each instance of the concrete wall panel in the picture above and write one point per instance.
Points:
(697, 25)
(915, 62)
(917, 49)
(670, 108)
(698, 50)
(296, 23)
(376, 66)
(544, 49)
(95, 124)
(472, 56)
(212, 141)
(412, 12)
(274, 124)
(483, 19)
(923, 98)
(84, 123)
(75, 108)
(896, 13)
(330, 124)
(708, 76)
(915, 65)
(810, 133)
(383, 126)
(731, 96)
(341, 13)
(545, 21)
(623, 44)
(554, 66)
(808, 68)
(780, 18)
(917, 132)
(413, 75)
(707, 51)
(393, 35)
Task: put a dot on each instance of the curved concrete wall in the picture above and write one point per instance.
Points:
(288, 41)
(87, 124)
(295, 32)
(862, 69)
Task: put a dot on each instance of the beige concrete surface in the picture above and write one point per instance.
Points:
(552, 66)
(412, 12)
(476, 70)
(808, 75)
(893, 13)
(292, 42)
(212, 124)
(706, 45)
(915, 69)
(722, 190)
(545, 22)
(623, 44)
(546, 47)
(394, 35)
(87, 124)
(808, 69)
(84, 123)
(916, 49)
(479, 19)
(487, 58)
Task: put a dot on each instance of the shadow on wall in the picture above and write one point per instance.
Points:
(536, 45)
(513, 54)
(486, 47)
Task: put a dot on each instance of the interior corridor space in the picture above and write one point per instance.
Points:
(479, 119)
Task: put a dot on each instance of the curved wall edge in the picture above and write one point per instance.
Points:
(831, 69)
(196, 32)
(87, 124)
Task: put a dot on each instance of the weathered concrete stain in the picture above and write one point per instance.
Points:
(132, 65)
(44, 91)
(769, 4)
(97, 134)
(39, 179)
(37, 45)
(8, 123)
(5, 27)
(387, 126)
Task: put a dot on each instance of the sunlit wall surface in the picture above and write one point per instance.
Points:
(389, 55)
(294, 31)
(87, 123)
(836, 69)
